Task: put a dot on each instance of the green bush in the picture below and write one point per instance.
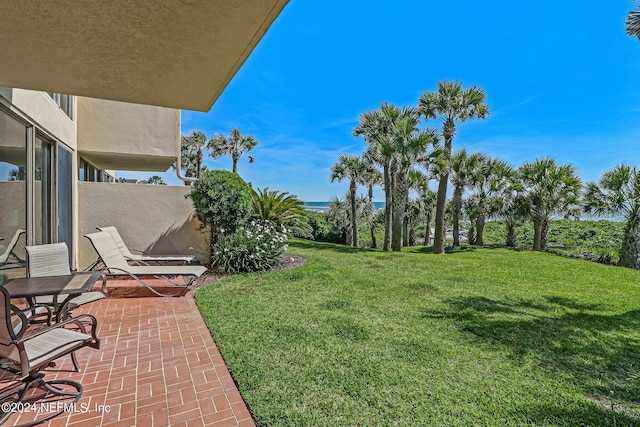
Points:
(256, 247)
(321, 231)
(222, 201)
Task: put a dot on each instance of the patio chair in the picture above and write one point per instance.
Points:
(143, 257)
(9, 259)
(29, 355)
(116, 265)
(53, 260)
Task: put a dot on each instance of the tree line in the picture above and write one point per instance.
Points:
(403, 158)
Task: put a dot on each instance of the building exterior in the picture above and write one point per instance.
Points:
(129, 67)
(50, 142)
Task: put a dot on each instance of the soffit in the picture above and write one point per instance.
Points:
(178, 54)
(128, 161)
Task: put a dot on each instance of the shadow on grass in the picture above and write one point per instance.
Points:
(311, 244)
(456, 250)
(581, 343)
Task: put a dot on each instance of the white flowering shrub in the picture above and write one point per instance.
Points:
(256, 247)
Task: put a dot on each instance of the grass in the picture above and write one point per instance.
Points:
(483, 337)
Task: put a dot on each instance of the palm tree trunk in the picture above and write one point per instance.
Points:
(537, 234)
(448, 131)
(471, 234)
(544, 235)
(480, 221)
(405, 232)
(630, 247)
(398, 211)
(388, 202)
(441, 201)
(372, 226)
(456, 207)
(511, 234)
(354, 215)
(235, 166)
(427, 232)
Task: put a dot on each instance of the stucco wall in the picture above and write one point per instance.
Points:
(40, 108)
(155, 218)
(123, 136)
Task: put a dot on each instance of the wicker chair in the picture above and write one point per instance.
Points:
(30, 354)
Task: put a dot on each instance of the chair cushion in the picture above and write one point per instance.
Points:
(53, 344)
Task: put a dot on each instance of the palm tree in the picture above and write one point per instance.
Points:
(551, 189)
(191, 154)
(235, 145)
(156, 180)
(633, 23)
(617, 192)
(376, 128)
(418, 182)
(427, 202)
(281, 208)
(353, 169)
(514, 209)
(371, 178)
(411, 147)
(490, 180)
(463, 165)
(451, 102)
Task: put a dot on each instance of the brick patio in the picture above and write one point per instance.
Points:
(157, 366)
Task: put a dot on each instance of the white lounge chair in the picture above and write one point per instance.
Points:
(116, 265)
(143, 257)
(9, 259)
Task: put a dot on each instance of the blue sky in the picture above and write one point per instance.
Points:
(562, 79)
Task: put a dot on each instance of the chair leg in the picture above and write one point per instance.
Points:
(74, 359)
(34, 380)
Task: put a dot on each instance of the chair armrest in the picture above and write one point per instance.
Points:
(25, 321)
(103, 278)
(138, 252)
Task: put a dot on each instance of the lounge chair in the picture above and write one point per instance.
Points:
(116, 265)
(9, 259)
(36, 351)
(143, 257)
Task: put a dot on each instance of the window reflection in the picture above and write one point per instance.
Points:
(13, 190)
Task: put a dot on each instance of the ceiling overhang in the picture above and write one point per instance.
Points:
(178, 54)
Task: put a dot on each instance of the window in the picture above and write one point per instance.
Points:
(65, 102)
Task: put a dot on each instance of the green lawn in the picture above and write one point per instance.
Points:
(475, 337)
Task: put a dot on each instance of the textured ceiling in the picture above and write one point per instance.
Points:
(178, 54)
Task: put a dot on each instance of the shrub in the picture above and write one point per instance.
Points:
(222, 201)
(256, 247)
(282, 208)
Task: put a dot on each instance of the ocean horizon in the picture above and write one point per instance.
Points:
(324, 206)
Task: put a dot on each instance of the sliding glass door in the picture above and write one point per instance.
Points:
(64, 187)
(14, 136)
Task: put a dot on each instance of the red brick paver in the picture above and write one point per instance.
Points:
(157, 366)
